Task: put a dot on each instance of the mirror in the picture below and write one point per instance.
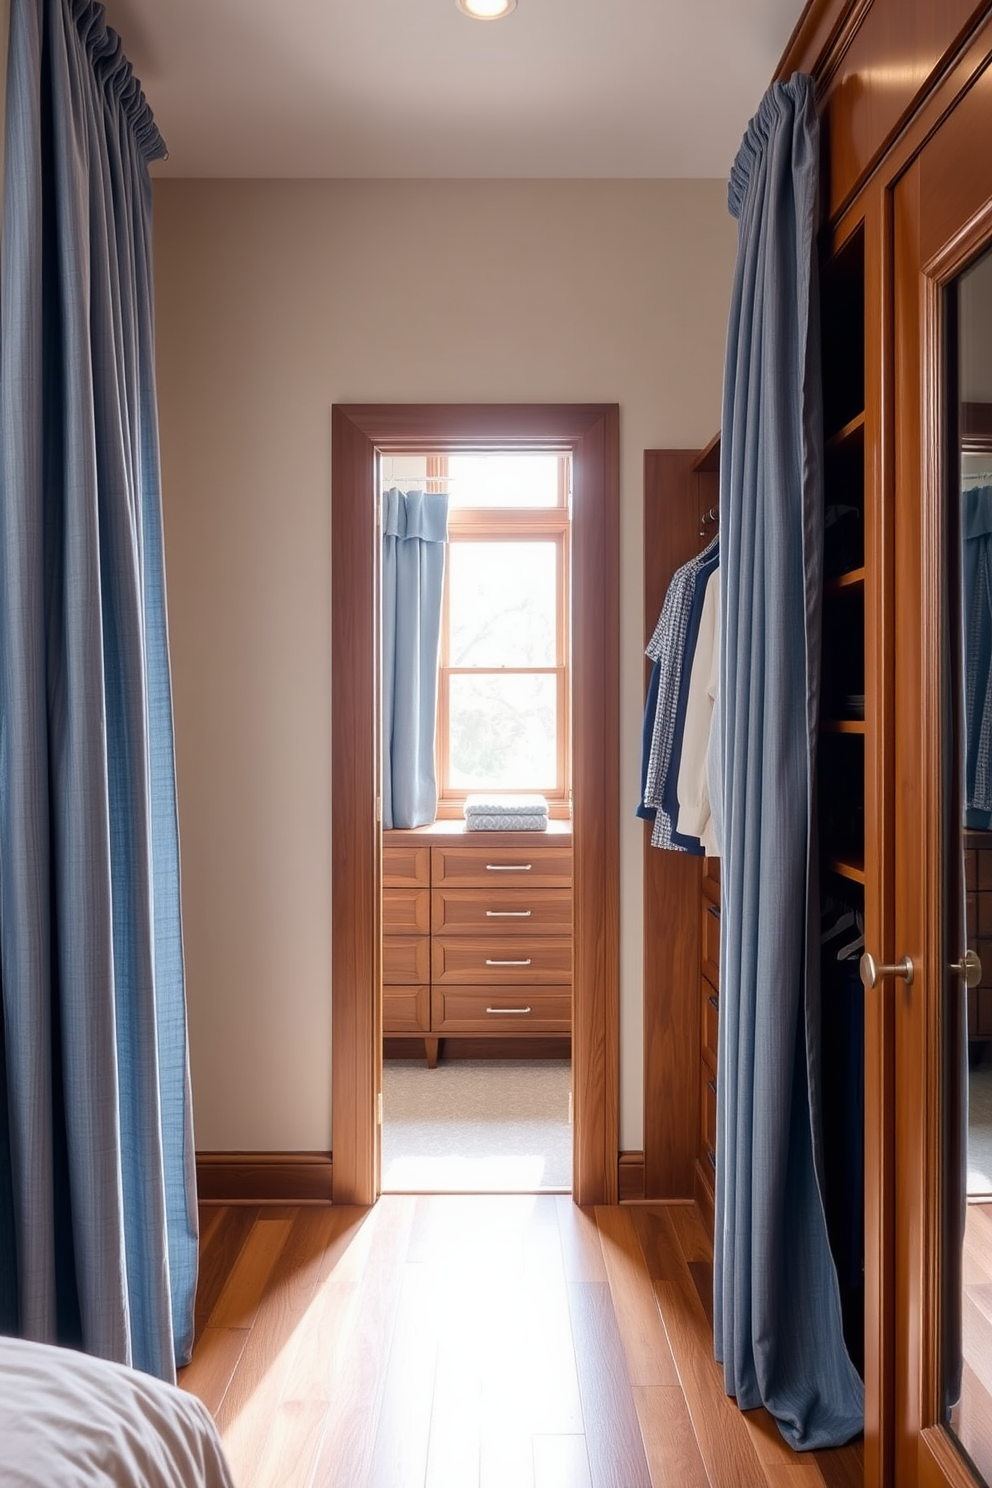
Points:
(967, 1032)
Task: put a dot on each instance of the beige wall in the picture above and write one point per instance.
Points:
(276, 300)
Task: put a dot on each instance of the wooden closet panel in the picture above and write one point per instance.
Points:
(879, 62)
(953, 194)
(673, 507)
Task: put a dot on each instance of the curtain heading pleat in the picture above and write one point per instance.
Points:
(115, 75)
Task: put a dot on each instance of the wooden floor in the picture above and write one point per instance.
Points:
(469, 1341)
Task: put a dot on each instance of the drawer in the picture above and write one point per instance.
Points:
(710, 943)
(520, 1010)
(710, 1024)
(406, 959)
(406, 1009)
(406, 911)
(490, 863)
(515, 959)
(708, 1111)
(406, 867)
(502, 911)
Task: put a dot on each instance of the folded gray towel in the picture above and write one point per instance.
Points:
(480, 821)
(504, 804)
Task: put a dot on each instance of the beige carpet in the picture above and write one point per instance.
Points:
(476, 1126)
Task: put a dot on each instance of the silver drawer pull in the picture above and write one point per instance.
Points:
(509, 867)
(508, 963)
(508, 914)
(503, 1012)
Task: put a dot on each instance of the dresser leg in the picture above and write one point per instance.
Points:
(430, 1049)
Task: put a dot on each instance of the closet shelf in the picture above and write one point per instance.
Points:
(853, 429)
(848, 868)
(842, 725)
(853, 579)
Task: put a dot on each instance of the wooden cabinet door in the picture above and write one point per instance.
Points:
(941, 224)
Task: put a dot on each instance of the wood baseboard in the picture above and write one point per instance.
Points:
(630, 1177)
(263, 1177)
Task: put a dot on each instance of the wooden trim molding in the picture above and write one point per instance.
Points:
(263, 1177)
(630, 1177)
(359, 433)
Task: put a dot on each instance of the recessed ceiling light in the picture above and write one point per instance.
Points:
(487, 10)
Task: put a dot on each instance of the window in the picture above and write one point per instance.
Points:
(503, 685)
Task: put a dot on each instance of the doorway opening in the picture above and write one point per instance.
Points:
(476, 710)
(362, 436)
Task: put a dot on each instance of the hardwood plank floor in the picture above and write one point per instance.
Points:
(475, 1341)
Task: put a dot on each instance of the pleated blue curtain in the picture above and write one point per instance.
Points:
(777, 1314)
(98, 1236)
(414, 534)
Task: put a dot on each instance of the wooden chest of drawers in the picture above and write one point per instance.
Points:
(477, 936)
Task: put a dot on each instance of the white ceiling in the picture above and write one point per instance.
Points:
(412, 88)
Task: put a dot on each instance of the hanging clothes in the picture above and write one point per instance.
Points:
(695, 816)
(671, 648)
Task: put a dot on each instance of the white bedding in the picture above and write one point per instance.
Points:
(71, 1421)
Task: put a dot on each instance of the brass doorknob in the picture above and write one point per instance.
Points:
(872, 973)
(969, 967)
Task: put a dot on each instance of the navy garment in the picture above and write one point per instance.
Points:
(777, 1316)
(647, 813)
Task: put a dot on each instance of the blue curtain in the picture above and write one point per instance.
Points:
(414, 533)
(98, 1236)
(777, 1314)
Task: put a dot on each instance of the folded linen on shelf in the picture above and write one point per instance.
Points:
(506, 813)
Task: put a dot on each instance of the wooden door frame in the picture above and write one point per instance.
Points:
(359, 432)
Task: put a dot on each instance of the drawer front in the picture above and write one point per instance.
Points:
(514, 959)
(501, 1010)
(711, 1019)
(711, 879)
(502, 911)
(406, 1009)
(406, 911)
(406, 867)
(406, 959)
(708, 1111)
(711, 942)
(508, 867)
